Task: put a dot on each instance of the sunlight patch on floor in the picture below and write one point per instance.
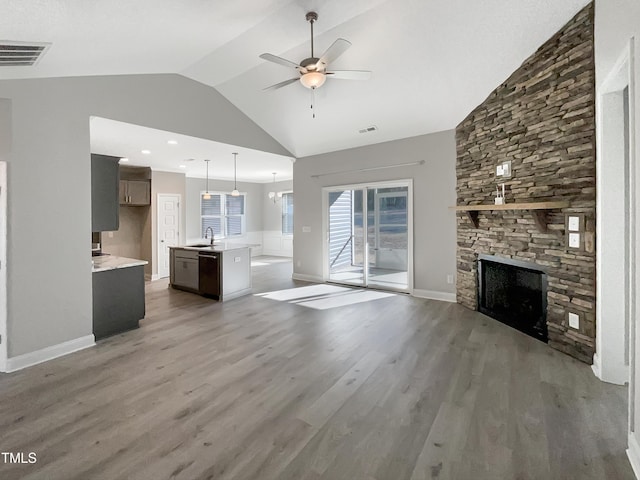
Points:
(324, 297)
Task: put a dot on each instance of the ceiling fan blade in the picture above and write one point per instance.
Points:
(282, 84)
(349, 74)
(336, 49)
(279, 60)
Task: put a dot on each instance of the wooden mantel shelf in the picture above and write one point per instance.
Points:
(538, 211)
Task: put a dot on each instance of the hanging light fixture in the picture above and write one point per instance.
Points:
(207, 195)
(235, 192)
(274, 196)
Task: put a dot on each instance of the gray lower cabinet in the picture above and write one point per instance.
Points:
(185, 270)
(105, 210)
(118, 300)
(218, 274)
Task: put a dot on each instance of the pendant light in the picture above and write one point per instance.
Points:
(235, 192)
(274, 196)
(207, 195)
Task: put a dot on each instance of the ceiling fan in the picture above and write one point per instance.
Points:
(313, 70)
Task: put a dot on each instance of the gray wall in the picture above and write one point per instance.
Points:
(253, 207)
(433, 194)
(49, 184)
(5, 129)
(272, 214)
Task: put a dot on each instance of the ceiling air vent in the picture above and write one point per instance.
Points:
(21, 54)
(372, 128)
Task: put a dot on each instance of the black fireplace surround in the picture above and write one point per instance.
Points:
(514, 293)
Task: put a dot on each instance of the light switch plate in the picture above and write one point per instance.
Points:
(237, 259)
(499, 170)
(574, 240)
(573, 223)
(574, 320)
(306, 229)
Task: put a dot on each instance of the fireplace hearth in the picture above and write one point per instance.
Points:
(514, 293)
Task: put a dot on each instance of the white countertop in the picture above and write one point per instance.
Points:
(111, 262)
(219, 247)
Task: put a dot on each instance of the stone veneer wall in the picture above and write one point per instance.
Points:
(543, 120)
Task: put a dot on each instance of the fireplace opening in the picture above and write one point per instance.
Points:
(514, 293)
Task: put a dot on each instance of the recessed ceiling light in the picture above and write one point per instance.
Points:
(146, 152)
(172, 142)
(183, 166)
(124, 159)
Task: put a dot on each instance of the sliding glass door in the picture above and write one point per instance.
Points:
(346, 237)
(368, 236)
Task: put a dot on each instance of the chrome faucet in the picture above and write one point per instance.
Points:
(212, 235)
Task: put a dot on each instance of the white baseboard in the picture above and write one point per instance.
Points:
(596, 367)
(633, 453)
(49, 353)
(275, 253)
(617, 375)
(434, 295)
(307, 278)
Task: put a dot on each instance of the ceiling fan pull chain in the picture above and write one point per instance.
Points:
(313, 101)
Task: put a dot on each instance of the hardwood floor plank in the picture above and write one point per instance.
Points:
(395, 388)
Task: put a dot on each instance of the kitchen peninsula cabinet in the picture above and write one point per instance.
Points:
(118, 295)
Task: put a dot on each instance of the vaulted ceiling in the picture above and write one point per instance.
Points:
(433, 61)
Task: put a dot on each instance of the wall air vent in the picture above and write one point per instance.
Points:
(21, 54)
(372, 128)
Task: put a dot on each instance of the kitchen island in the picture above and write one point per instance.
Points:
(221, 271)
(118, 294)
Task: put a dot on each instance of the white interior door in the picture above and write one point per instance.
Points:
(3, 266)
(168, 229)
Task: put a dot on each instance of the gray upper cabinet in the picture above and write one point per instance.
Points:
(104, 193)
(135, 186)
(135, 192)
(139, 192)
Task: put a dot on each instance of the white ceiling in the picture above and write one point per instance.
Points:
(119, 139)
(433, 61)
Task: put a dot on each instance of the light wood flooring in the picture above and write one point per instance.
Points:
(255, 388)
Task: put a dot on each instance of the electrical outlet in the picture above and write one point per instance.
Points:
(298, 263)
(450, 279)
(574, 320)
(110, 234)
(237, 259)
(306, 229)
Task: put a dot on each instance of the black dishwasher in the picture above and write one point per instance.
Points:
(209, 263)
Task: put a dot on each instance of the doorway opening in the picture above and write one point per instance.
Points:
(369, 235)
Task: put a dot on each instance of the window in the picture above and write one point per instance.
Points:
(287, 213)
(223, 213)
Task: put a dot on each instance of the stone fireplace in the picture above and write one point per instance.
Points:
(542, 120)
(514, 293)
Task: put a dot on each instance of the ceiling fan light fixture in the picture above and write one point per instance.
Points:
(313, 80)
